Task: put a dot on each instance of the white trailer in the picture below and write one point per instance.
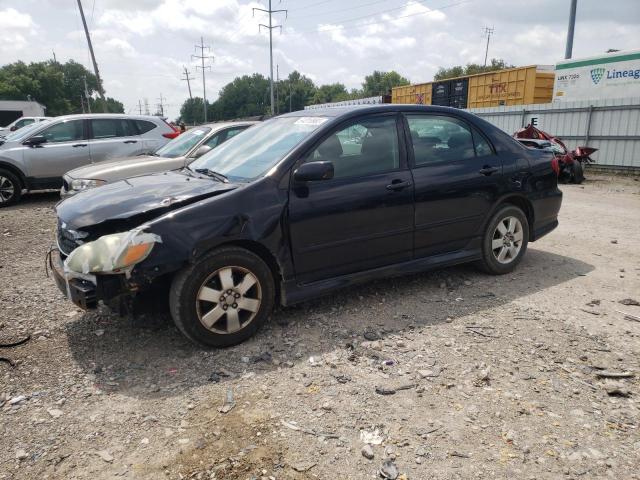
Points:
(614, 75)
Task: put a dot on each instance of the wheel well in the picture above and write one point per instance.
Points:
(524, 205)
(264, 253)
(16, 171)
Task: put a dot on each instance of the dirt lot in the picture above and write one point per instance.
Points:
(448, 374)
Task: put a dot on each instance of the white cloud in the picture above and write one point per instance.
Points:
(15, 30)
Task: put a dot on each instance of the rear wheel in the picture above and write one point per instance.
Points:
(10, 188)
(224, 298)
(577, 172)
(505, 241)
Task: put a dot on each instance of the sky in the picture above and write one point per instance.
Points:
(142, 46)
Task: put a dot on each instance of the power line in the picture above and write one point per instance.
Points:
(204, 67)
(270, 27)
(188, 80)
(488, 31)
(341, 27)
(295, 17)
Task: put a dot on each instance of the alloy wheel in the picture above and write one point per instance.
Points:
(228, 300)
(7, 189)
(507, 240)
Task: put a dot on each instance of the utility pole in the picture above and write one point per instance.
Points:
(203, 57)
(270, 27)
(488, 32)
(55, 60)
(93, 57)
(82, 102)
(146, 106)
(568, 51)
(277, 89)
(290, 96)
(188, 79)
(140, 106)
(86, 94)
(161, 105)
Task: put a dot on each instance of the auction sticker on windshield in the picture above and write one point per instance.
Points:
(311, 121)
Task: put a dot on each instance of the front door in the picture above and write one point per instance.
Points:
(113, 138)
(457, 181)
(66, 148)
(363, 217)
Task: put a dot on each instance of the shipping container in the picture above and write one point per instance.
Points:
(419, 94)
(516, 86)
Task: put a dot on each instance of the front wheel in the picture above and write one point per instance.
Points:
(10, 188)
(505, 241)
(222, 299)
(577, 172)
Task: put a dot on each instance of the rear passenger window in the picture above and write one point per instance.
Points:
(366, 147)
(144, 126)
(482, 146)
(111, 128)
(439, 139)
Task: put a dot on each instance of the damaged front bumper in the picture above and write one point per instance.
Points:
(85, 290)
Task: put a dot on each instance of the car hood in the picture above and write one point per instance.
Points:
(113, 170)
(137, 199)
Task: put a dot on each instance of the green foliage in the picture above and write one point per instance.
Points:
(381, 83)
(245, 96)
(470, 69)
(58, 86)
(335, 92)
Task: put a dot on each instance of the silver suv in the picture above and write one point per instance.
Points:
(178, 153)
(35, 157)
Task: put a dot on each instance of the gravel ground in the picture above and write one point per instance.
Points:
(444, 375)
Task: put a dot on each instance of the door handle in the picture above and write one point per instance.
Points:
(79, 145)
(130, 141)
(488, 170)
(398, 185)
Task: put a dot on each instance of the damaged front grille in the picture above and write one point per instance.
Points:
(68, 240)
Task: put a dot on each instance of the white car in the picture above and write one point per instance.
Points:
(21, 122)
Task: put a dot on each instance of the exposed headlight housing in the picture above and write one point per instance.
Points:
(80, 184)
(114, 253)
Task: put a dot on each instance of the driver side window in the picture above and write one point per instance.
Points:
(64, 132)
(365, 147)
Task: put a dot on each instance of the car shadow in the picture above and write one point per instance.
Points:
(147, 357)
(43, 198)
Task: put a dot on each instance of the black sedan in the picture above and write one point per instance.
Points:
(301, 205)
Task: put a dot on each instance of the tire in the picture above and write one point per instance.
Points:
(577, 172)
(515, 249)
(10, 188)
(199, 296)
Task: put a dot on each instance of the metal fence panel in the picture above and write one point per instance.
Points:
(610, 125)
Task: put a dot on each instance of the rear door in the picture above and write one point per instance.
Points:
(457, 181)
(66, 148)
(112, 138)
(363, 217)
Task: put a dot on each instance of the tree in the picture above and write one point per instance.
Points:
(334, 92)
(381, 83)
(245, 96)
(111, 106)
(192, 111)
(470, 69)
(59, 87)
(297, 88)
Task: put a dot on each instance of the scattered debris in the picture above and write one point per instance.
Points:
(10, 345)
(617, 389)
(263, 357)
(608, 374)
(388, 470)
(298, 428)
(630, 301)
(229, 402)
(590, 311)
(303, 466)
(374, 437)
(459, 454)
(54, 412)
(21, 454)
(367, 451)
(628, 316)
(105, 455)
(393, 390)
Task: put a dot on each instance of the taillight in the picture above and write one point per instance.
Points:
(173, 134)
(555, 166)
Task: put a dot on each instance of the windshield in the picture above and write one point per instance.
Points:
(24, 132)
(256, 150)
(179, 146)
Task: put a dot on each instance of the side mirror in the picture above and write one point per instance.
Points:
(35, 140)
(13, 129)
(201, 151)
(308, 172)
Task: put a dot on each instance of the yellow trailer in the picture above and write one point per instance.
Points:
(419, 94)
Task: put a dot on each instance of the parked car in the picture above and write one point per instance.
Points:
(21, 122)
(38, 158)
(304, 204)
(178, 153)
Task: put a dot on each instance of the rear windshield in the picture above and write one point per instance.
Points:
(179, 146)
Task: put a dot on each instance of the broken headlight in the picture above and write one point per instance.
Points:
(80, 184)
(112, 253)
